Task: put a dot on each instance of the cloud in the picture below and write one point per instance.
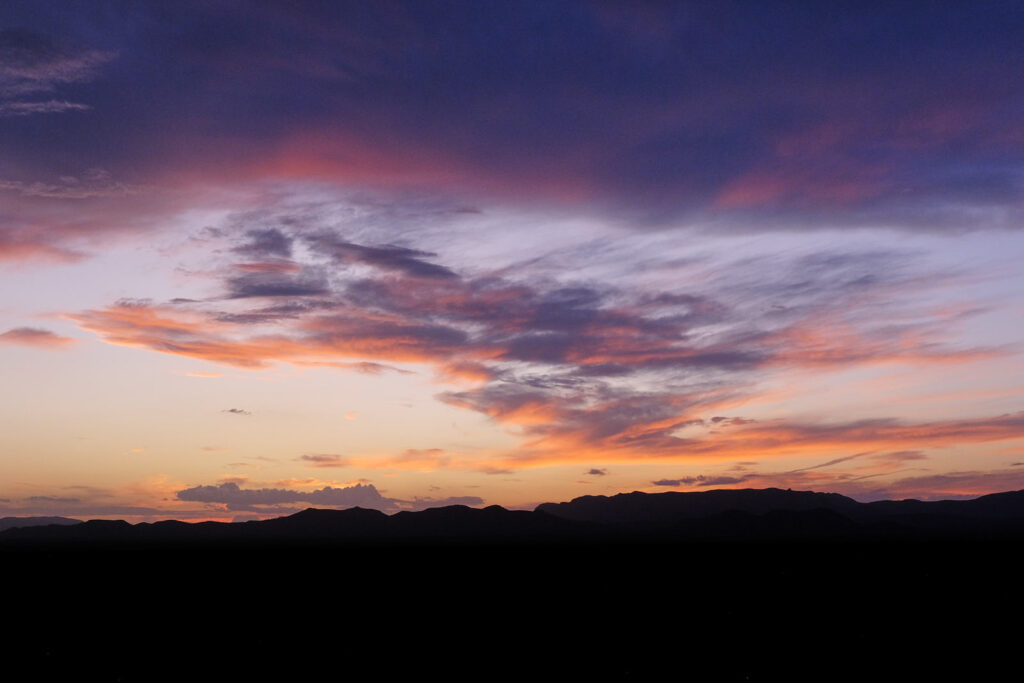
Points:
(701, 480)
(35, 337)
(865, 476)
(325, 460)
(900, 456)
(490, 469)
(596, 472)
(425, 503)
(95, 183)
(281, 266)
(237, 498)
(30, 62)
(364, 367)
(264, 244)
(655, 440)
(253, 285)
(938, 486)
(233, 497)
(52, 499)
(408, 262)
(427, 459)
(236, 411)
(21, 246)
(32, 65)
(575, 368)
(47, 107)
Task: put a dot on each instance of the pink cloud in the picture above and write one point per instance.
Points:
(35, 337)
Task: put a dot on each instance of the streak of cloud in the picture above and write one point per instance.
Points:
(35, 337)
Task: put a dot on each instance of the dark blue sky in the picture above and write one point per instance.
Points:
(867, 111)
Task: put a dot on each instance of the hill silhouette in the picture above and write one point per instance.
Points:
(738, 585)
(735, 513)
(16, 522)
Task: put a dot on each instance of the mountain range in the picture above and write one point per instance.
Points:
(724, 585)
(748, 514)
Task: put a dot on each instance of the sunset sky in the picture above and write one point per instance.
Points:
(262, 256)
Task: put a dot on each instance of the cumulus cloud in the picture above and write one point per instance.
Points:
(233, 497)
(701, 480)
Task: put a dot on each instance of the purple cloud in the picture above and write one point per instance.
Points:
(233, 497)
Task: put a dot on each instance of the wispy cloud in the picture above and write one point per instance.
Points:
(32, 64)
(46, 107)
(880, 480)
(325, 460)
(236, 411)
(576, 368)
(36, 337)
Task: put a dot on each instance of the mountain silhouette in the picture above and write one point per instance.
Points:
(733, 513)
(731, 585)
(15, 522)
(668, 508)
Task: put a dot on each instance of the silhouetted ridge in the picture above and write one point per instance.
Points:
(673, 516)
(93, 530)
(671, 507)
(17, 522)
(493, 522)
(354, 522)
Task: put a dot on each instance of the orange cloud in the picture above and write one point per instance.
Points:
(571, 367)
(749, 440)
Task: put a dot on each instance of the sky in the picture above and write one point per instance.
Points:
(263, 256)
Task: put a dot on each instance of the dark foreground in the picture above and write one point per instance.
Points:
(731, 610)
